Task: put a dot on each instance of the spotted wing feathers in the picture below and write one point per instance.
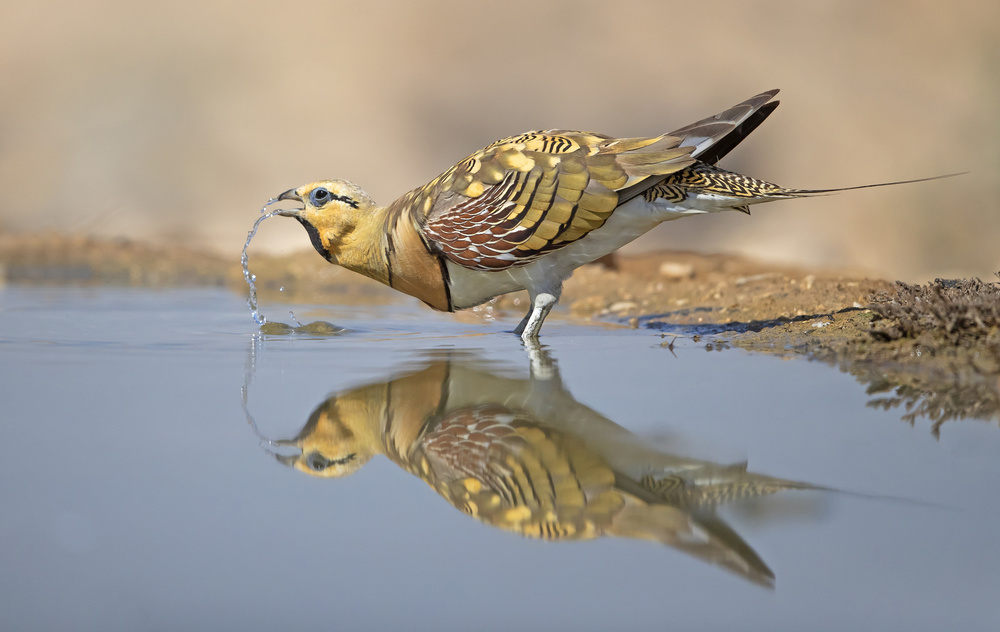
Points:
(505, 468)
(527, 195)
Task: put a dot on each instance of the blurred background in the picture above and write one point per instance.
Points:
(173, 123)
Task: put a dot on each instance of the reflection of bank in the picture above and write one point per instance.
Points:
(525, 456)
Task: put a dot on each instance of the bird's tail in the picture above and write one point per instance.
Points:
(808, 192)
(707, 188)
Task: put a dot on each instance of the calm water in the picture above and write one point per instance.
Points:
(137, 496)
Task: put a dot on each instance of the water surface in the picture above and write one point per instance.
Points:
(136, 495)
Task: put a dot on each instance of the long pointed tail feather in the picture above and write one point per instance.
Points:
(798, 192)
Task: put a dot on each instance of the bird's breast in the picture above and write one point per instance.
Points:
(414, 270)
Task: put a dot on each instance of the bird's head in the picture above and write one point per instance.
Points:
(331, 212)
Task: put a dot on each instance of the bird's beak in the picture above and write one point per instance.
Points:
(287, 459)
(290, 194)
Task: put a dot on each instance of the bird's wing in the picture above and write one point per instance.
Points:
(527, 195)
(715, 136)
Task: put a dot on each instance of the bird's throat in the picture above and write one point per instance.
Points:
(356, 242)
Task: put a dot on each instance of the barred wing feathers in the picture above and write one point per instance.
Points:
(528, 195)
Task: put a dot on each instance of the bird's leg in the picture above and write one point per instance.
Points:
(540, 363)
(541, 305)
(524, 322)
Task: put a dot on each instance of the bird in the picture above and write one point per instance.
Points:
(524, 212)
(524, 456)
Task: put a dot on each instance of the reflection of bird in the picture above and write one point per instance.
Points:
(523, 455)
(524, 212)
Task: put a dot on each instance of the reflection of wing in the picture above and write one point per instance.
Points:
(511, 471)
(527, 195)
(508, 470)
(676, 511)
(704, 536)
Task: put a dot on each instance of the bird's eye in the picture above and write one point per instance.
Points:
(319, 196)
(317, 463)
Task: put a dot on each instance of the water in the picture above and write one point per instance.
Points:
(137, 495)
(245, 261)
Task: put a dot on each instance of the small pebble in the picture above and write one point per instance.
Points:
(622, 306)
(677, 270)
(315, 328)
(272, 328)
(320, 327)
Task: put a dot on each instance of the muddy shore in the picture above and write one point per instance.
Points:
(932, 351)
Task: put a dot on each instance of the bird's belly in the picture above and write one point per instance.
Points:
(545, 274)
(473, 287)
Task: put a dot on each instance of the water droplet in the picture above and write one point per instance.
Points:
(245, 260)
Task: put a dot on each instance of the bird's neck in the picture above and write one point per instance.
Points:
(384, 244)
(358, 242)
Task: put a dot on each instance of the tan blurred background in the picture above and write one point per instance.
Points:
(174, 122)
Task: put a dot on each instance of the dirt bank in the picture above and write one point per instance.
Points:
(931, 351)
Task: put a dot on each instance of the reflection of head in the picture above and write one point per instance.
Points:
(337, 440)
(349, 428)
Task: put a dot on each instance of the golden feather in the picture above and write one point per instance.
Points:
(527, 195)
